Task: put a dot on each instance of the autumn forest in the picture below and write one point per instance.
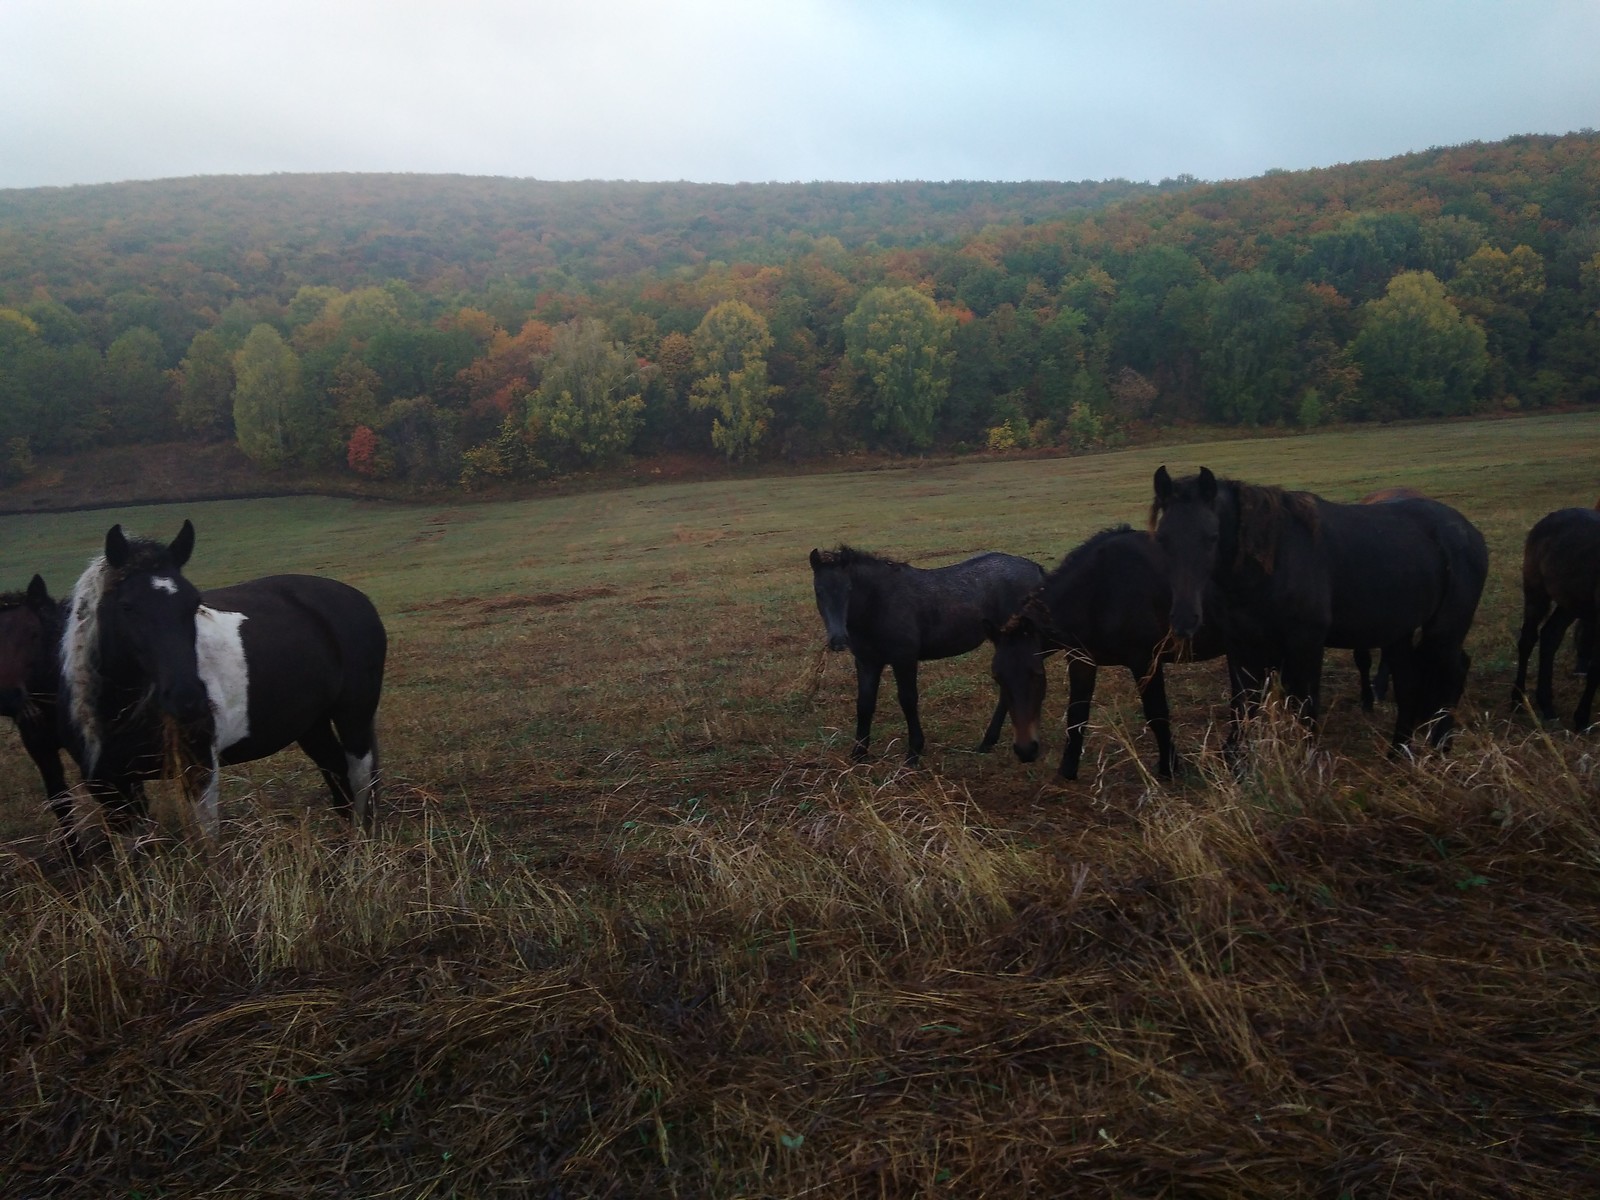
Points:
(436, 330)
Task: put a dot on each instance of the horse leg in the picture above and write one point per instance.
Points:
(1535, 604)
(905, 682)
(1158, 716)
(1409, 687)
(358, 743)
(1302, 682)
(41, 744)
(1380, 681)
(868, 676)
(1247, 682)
(1081, 673)
(992, 734)
(1363, 659)
(1549, 642)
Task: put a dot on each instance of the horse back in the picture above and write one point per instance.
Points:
(312, 648)
(1398, 566)
(1561, 558)
(944, 610)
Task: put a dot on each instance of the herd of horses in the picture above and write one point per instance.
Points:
(1260, 576)
(138, 674)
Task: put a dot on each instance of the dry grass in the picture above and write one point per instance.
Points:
(635, 927)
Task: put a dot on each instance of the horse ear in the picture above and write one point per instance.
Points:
(1163, 484)
(38, 594)
(116, 548)
(816, 559)
(1208, 485)
(182, 545)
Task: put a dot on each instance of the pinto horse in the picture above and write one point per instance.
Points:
(1300, 573)
(890, 613)
(30, 631)
(151, 665)
(1106, 605)
(1560, 572)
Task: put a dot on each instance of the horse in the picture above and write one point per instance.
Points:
(1560, 572)
(1300, 573)
(1106, 605)
(30, 631)
(1376, 687)
(890, 613)
(153, 669)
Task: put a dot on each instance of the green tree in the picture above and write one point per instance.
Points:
(1248, 356)
(205, 389)
(730, 348)
(270, 413)
(589, 405)
(1419, 356)
(136, 386)
(898, 339)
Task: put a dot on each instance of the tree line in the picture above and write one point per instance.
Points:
(1431, 285)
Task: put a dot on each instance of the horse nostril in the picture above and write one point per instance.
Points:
(1026, 752)
(838, 643)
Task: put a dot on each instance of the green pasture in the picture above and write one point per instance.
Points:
(659, 641)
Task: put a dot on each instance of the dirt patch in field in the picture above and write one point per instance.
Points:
(469, 605)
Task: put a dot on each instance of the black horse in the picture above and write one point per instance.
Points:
(889, 613)
(1376, 687)
(1299, 573)
(152, 668)
(1106, 605)
(30, 632)
(1560, 571)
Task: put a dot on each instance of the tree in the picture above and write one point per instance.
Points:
(1248, 356)
(136, 386)
(205, 389)
(897, 338)
(270, 414)
(588, 406)
(730, 348)
(1419, 356)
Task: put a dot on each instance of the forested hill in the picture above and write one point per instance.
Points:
(348, 231)
(454, 329)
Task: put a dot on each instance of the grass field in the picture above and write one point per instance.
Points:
(637, 927)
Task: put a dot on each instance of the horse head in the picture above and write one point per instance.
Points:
(27, 624)
(1018, 671)
(146, 619)
(1188, 528)
(830, 578)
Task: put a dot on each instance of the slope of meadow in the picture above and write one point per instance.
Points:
(636, 926)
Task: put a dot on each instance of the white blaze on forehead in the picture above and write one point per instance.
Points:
(219, 654)
(162, 584)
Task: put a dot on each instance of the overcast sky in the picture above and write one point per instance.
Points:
(728, 90)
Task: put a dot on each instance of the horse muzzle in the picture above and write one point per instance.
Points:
(186, 704)
(838, 641)
(1026, 751)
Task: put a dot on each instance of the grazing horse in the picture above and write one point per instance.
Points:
(1560, 571)
(1300, 573)
(154, 669)
(887, 612)
(30, 631)
(1376, 687)
(1106, 605)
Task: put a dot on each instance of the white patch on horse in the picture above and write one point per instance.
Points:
(162, 584)
(359, 772)
(80, 653)
(219, 654)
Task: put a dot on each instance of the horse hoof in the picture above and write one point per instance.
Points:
(984, 747)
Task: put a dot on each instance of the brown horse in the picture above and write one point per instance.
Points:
(1561, 579)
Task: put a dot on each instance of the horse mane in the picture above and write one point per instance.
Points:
(849, 556)
(1261, 509)
(80, 656)
(1036, 607)
(1033, 609)
(10, 600)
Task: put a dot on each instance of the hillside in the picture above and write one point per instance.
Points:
(428, 331)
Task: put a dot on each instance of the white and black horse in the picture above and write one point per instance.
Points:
(150, 664)
(887, 612)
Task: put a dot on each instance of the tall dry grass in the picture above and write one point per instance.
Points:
(1293, 978)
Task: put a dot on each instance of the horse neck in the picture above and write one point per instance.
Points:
(1227, 533)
